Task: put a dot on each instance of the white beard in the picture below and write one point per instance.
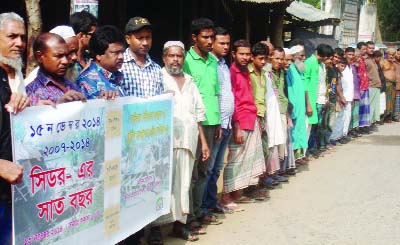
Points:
(174, 71)
(15, 63)
(301, 67)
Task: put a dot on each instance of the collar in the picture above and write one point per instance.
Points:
(115, 77)
(195, 56)
(236, 69)
(129, 58)
(44, 79)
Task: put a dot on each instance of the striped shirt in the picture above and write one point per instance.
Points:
(226, 99)
(141, 81)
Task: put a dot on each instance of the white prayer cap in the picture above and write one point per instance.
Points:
(287, 51)
(63, 31)
(174, 43)
(296, 49)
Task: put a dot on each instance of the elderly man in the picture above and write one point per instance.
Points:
(12, 46)
(50, 86)
(389, 71)
(296, 90)
(101, 79)
(68, 34)
(189, 112)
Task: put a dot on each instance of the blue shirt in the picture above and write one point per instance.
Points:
(95, 79)
(226, 98)
(143, 81)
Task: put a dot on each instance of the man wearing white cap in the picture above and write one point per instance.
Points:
(189, 112)
(68, 34)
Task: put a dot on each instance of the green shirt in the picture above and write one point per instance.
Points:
(259, 90)
(311, 79)
(205, 76)
(279, 82)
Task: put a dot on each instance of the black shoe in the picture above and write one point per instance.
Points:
(344, 140)
(365, 130)
(373, 128)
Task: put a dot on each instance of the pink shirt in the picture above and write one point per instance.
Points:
(245, 111)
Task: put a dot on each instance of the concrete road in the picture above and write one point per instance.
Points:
(351, 196)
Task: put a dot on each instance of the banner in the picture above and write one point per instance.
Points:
(91, 6)
(94, 172)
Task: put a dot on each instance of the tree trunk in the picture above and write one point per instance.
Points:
(277, 17)
(34, 25)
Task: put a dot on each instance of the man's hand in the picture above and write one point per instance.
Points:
(239, 138)
(17, 103)
(218, 132)
(46, 102)
(309, 110)
(10, 172)
(108, 95)
(342, 101)
(205, 152)
(70, 96)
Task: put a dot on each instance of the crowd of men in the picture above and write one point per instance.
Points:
(272, 109)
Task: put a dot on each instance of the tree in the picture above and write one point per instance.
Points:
(389, 19)
(34, 25)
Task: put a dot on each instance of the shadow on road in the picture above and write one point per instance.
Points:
(379, 140)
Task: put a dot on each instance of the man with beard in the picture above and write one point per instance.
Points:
(397, 97)
(50, 85)
(101, 79)
(364, 109)
(12, 44)
(68, 34)
(189, 112)
(296, 90)
(245, 159)
(389, 72)
(202, 66)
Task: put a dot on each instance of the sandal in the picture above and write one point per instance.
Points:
(244, 199)
(199, 230)
(185, 234)
(233, 206)
(210, 220)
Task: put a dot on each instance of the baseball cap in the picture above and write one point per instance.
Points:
(136, 23)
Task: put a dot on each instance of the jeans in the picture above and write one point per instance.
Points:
(315, 130)
(5, 223)
(214, 170)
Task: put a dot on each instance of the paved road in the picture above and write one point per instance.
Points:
(351, 196)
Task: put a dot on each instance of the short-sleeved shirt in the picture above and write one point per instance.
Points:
(95, 79)
(356, 81)
(204, 73)
(279, 83)
(311, 76)
(363, 74)
(5, 133)
(43, 88)
(146, 81)
(332, 79)
(373, 73)
(245, 109)
(259, 89)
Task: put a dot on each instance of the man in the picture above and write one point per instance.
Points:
(311, 81)
(259, 56)
(220, 49)
(84, 25)
(202, 66)
(389, 71)
(68, 34)
(245, 159)
(142, 76)
(355, 107)
(364, 109)
(12, 47)
(343, 118)
(374, 85)
(12, 100)
(296, 96)
(187, 130)
(378, 58)
(397, 98)
(101, 79)
(50, 86)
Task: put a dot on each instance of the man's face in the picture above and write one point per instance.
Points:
(73, 45)
(301, 55)
(336, 59)
(204, 40)
(54, 59)
(277, 60)
(288, 61)
(113, 57)
(341, 67)
(397, 56)
(12, 39)
(377, 59)
(259, 61)
(85, 37)
(140, 41)
(242, 56)
(221, 45)
(173, 60)
(349, 56)
(363, 50)
(390, 57)
(370, 49)
(328, 61)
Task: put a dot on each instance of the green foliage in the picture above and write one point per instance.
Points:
(389, 19)
(315, 3)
